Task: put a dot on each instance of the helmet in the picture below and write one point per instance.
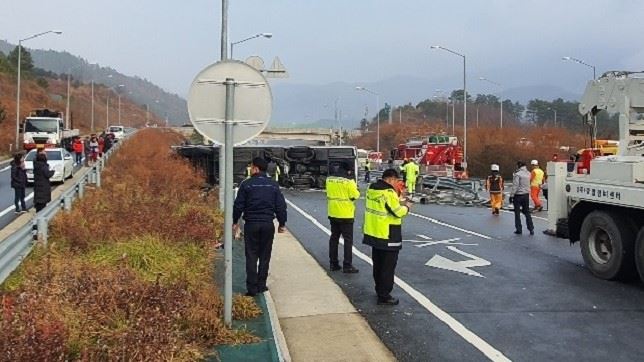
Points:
(494, 167)
(534, 163)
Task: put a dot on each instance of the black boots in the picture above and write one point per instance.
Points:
(387, 301)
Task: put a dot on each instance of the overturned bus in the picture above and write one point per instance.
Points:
(300, 167)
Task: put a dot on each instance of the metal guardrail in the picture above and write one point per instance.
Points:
(5, 163)
(17, 246)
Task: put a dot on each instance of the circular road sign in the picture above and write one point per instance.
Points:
(207, 101)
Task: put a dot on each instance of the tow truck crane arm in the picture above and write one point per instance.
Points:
(618, 92)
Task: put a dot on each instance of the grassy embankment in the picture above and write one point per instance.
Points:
(128, 273)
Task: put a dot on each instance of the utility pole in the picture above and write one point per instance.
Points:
(92, 124)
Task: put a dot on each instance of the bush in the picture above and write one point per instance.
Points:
(128, 272)
(42, 82)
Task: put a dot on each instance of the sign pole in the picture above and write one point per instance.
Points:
(228, 213)
(224, 56)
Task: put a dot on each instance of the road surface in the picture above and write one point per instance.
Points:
(471, 290)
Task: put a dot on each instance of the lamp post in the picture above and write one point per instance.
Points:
(500, 100)
(260, 35)
(464, 98)
(68, 106)
(446, 109)
(554, 110)
(363, 89)
(578, 61)
(58, 32)
(107, 112)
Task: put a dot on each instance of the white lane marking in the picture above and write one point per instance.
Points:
(424, 237)
(469, 336)
(7, 210)
(438, 261)
(424, 243)
(438, 222)
(5, 169)
(534, 217)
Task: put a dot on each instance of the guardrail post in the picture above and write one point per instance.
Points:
(81, 189)
(98, 177)
(42, 229)
(67, 202)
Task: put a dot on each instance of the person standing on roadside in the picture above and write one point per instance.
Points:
(411, 170)
(341, 193)
(520, 198)
(19, 183)
(260, 201)
(494, 185)
(78, 150)
(383, 232)
(86, 150)
(42, 186)
(536, 180)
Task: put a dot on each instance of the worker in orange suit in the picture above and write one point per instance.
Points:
(494, 185)
(536, 180)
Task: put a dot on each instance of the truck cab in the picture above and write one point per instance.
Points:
(45, 129)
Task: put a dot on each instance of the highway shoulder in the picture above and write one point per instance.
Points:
(317, 319)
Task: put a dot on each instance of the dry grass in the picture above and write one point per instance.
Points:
(128, 272)
(34, 96)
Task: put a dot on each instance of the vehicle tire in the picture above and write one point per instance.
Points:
(607, 245)
(62, 178)
(71, 174)
(639, 253)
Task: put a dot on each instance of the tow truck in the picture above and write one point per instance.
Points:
(602, 207)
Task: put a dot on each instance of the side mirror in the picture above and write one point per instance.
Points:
(67, 157)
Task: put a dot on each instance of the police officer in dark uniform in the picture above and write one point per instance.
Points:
(260, 201)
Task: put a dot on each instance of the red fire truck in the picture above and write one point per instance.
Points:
(437, 155)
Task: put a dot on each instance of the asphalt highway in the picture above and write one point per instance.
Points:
(471, 290)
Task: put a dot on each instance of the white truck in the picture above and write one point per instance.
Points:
(45, 128)
(603, 208)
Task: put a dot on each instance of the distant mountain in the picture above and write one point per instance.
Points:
(139, 90)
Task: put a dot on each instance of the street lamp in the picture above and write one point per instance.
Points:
(363, 89)
(464, 98)
(107, 112)
(260, 35)
(578, 61)
(500, 100)
(554, 110)
(58, 32)
(68, 107)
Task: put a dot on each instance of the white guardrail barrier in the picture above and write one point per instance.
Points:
(17, 246)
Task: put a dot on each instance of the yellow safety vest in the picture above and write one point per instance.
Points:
(382, 212)
(537, 177)
(340, 194)
(411, 171)
(277, 173)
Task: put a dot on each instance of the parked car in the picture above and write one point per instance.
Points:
(117, 131)
(59, 160)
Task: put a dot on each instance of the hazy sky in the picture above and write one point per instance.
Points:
(511, 41)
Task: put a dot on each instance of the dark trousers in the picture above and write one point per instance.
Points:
(522, 206)
(79, 157)
(367, 176)
(39, 206)
(19, 198)
(346, 230)
(384, 267)
(258, 238)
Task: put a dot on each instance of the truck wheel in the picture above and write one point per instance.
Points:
(639, 253)
(607, 245)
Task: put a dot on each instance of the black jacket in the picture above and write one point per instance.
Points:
(18, 176)
(42, 186)
(260, 200)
